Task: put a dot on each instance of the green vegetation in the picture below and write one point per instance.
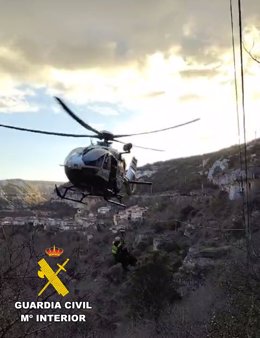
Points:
(151, 288)
(238, 315)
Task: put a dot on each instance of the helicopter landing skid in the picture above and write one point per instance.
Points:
(118, 196)
(111, 194)
(115, 202)
(66, 189)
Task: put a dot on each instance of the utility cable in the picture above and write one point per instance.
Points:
(236, 84)
(247, 213)
(244, 180)
(237, 113)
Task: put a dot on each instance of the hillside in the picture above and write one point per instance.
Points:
(17, 193)
(179, 175)
(186, 174)
(197, 275)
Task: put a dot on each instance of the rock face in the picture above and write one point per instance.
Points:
(227, 180)
(214, 253)
(203, 259)
(142, 241)
(147, 172)
(166, 244)
(189, 230)
(115, 274)
(218, 167)
(233, 180)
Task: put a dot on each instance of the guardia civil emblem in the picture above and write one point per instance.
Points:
(51, 276)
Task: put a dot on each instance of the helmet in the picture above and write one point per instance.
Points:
(117, 239)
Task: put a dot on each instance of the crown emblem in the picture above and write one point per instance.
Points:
(54, 252)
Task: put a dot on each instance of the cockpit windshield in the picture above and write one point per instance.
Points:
(74, 153)
(94, 157)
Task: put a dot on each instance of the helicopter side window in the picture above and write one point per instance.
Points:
(106, 164)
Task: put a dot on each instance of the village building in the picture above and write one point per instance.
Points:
(104, 210)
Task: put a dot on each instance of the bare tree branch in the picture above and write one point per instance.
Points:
(250, 54)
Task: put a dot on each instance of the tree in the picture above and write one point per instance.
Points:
(152, 288)
(253, 57)
(238, 314)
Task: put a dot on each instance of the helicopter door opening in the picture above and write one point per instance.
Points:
(113, 173)
(107, 162)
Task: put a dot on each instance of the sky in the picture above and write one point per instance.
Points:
(125, 66)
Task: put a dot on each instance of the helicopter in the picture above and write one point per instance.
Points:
(98, 169)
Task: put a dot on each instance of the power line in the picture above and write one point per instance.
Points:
(236, 84)
(237, 113)
(247, 216)
(244, 181)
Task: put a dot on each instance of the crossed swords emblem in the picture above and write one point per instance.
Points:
(52, 276)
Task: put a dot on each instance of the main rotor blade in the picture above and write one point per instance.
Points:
(159, 130)
(46, 132)
(75, 117)
(139, 146)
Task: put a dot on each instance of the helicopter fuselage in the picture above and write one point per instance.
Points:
(95, 169)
